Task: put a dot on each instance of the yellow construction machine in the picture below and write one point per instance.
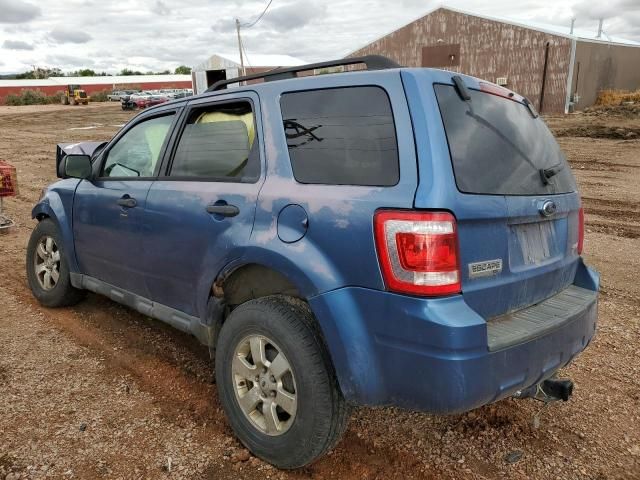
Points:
(74, 95)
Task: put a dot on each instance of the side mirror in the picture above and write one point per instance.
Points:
(77, 166)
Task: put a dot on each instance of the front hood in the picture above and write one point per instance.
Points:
(78, 148)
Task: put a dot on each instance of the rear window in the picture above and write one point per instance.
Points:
(497, 147)
(341, 136)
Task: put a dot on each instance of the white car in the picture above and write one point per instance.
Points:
(117, 95)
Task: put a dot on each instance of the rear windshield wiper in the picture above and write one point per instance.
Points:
(547, 173)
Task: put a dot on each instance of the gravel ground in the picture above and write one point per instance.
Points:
(98, 391)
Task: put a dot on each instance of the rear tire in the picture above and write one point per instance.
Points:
(308, 412)
(48, 268)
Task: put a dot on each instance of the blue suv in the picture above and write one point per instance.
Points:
(393, 236)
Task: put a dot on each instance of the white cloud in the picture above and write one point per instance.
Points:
(610, 9)
(293, 17)
(17, 11)
(62, 34)
(161, 8)
(16, 45)
(160, 35)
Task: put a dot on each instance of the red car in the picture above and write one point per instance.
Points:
(143, 101)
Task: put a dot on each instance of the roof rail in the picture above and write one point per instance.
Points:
(373, 62)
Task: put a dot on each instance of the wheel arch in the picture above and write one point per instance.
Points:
(253, 280)
(240, 281)
(251, 277)
(53, 209)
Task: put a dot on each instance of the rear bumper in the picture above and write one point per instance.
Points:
(433, 354)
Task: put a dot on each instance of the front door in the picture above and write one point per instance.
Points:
(200, 214)
(107, 210)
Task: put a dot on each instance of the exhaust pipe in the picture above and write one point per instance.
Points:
(559, 389)
(550, 390)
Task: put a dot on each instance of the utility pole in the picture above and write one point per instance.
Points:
(242, 72)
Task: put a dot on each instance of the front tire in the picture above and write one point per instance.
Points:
(276, 382)
(48, 268)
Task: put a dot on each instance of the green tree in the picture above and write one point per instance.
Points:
(183, 70)
(86, 72)
(127, 72)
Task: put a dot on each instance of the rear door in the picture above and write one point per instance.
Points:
(200, 212)
(513, 195)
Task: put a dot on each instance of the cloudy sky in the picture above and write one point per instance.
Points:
(162, 34)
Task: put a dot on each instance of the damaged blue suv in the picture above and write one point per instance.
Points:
(394, 236)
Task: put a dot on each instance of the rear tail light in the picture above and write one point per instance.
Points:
(418, 252)
(580, 230)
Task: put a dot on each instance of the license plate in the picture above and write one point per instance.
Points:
(538, 241)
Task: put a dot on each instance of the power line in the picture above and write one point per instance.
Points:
(249, 25)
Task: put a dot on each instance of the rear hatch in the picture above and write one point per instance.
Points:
(515, 199)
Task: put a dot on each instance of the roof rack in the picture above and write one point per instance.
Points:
(373, 62)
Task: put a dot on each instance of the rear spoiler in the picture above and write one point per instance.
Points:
(78, 148)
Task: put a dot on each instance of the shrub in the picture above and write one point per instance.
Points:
(31, 97)
(13, 100)
(34, 97)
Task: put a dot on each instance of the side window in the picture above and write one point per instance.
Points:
(219, 142)
(137, 152)
(341, 136)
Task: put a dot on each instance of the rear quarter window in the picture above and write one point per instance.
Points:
(497, 146)
(341, 136)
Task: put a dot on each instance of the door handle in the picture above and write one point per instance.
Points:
(224, 210)
(127, 202)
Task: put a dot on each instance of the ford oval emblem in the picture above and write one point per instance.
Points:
(548, 208)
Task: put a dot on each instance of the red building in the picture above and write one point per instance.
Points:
(92, 85)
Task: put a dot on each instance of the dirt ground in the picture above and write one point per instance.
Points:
(98, 391)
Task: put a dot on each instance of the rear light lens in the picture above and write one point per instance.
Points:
(497, 90)
(418, 252)
(580, 230)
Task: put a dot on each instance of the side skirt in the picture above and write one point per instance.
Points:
(177, 319)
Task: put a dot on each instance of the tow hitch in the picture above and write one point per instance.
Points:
(547, 391)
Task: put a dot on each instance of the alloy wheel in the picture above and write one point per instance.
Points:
(264, 385)
(47, 263)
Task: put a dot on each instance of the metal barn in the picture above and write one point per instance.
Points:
(558, 68)
(224, 66)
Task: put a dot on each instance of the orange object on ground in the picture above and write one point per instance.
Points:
(8, 180)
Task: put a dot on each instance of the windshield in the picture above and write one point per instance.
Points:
(498, 147)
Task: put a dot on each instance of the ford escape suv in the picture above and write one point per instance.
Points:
(389, 236)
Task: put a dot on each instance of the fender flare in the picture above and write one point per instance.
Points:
(307, 281)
